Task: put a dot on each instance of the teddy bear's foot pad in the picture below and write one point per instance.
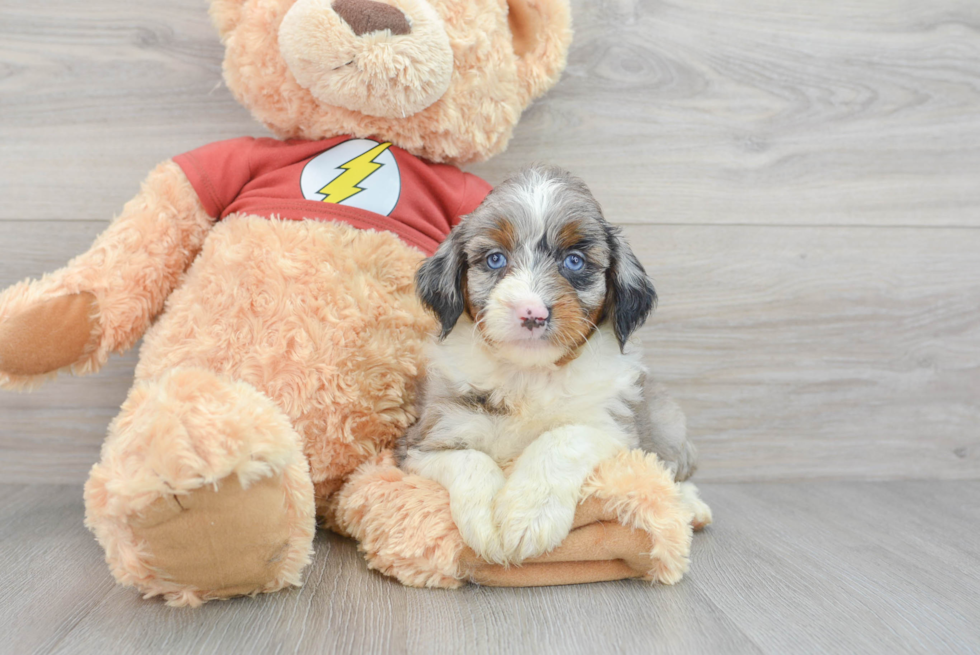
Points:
(48, 335)
(203, 491)
(225, 541)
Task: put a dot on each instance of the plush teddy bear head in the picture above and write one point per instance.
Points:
(443, 79)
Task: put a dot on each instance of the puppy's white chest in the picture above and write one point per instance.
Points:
(535, 409)
(526, 403)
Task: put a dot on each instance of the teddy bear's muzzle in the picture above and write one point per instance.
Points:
(389, 59)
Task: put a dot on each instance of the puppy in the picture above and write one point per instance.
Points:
(538, 296)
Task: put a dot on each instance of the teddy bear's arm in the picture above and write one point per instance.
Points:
(105, 299)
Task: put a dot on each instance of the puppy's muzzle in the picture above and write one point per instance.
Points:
(532, 315)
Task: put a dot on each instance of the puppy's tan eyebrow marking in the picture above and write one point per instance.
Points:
(570, 235)
(504, 234)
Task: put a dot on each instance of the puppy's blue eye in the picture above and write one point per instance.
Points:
(496, 260)
(574, 262)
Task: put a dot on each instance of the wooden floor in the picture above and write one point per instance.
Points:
(810, 567)
(802, 179)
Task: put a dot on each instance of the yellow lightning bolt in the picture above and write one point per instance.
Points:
(356, 171)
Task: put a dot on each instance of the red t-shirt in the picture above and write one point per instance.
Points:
(362, 182)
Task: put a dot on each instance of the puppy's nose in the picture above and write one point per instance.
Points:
(532, 315)
(365, 16)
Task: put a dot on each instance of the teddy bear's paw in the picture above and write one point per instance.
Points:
(203, 491)
(219, 540)
(47, 335)
(532, 523)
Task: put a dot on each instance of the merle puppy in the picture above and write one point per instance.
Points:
(538, 296)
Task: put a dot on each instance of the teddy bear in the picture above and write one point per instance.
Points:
(271, 280)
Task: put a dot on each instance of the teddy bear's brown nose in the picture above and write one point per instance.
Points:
(366, 16)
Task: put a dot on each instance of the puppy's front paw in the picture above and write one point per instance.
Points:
(531, 523)
(476, 526)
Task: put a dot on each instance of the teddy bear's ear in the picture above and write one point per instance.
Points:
(541, 31)
(225, 14)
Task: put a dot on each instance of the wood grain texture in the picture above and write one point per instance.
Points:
(787, 568)
(801, 180)
(54, 434)
(820, 352)
(768, 112)
(845, 567)
(342, 608)
(53, 571)
(797, 352)
(755, 111)
(94, 97)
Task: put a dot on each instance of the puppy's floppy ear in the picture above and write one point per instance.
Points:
(631, 293)
(439, 281)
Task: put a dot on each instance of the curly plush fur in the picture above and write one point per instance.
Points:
(470, 122)
(318, 322)
(188, 429)
(329, 330)
(327, 339)
(131, 269)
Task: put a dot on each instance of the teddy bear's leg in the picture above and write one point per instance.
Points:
(634, 522)
(597, 549)
(600, 547)
(203, 491)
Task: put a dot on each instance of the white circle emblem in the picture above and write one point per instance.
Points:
(358, 173)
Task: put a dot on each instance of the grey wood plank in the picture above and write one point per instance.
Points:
(341, 608)
(808, 571)
(56, 444)
(93, 98)
(768, 112)
(614, 617)
(54, 434)
(955, 510)
(796, 352)
(820, 352)
(787, 568)
(32, 249)
(930, 515)
(51, 568)
(754, 111)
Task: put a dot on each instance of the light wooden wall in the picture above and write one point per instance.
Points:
(802, 179)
